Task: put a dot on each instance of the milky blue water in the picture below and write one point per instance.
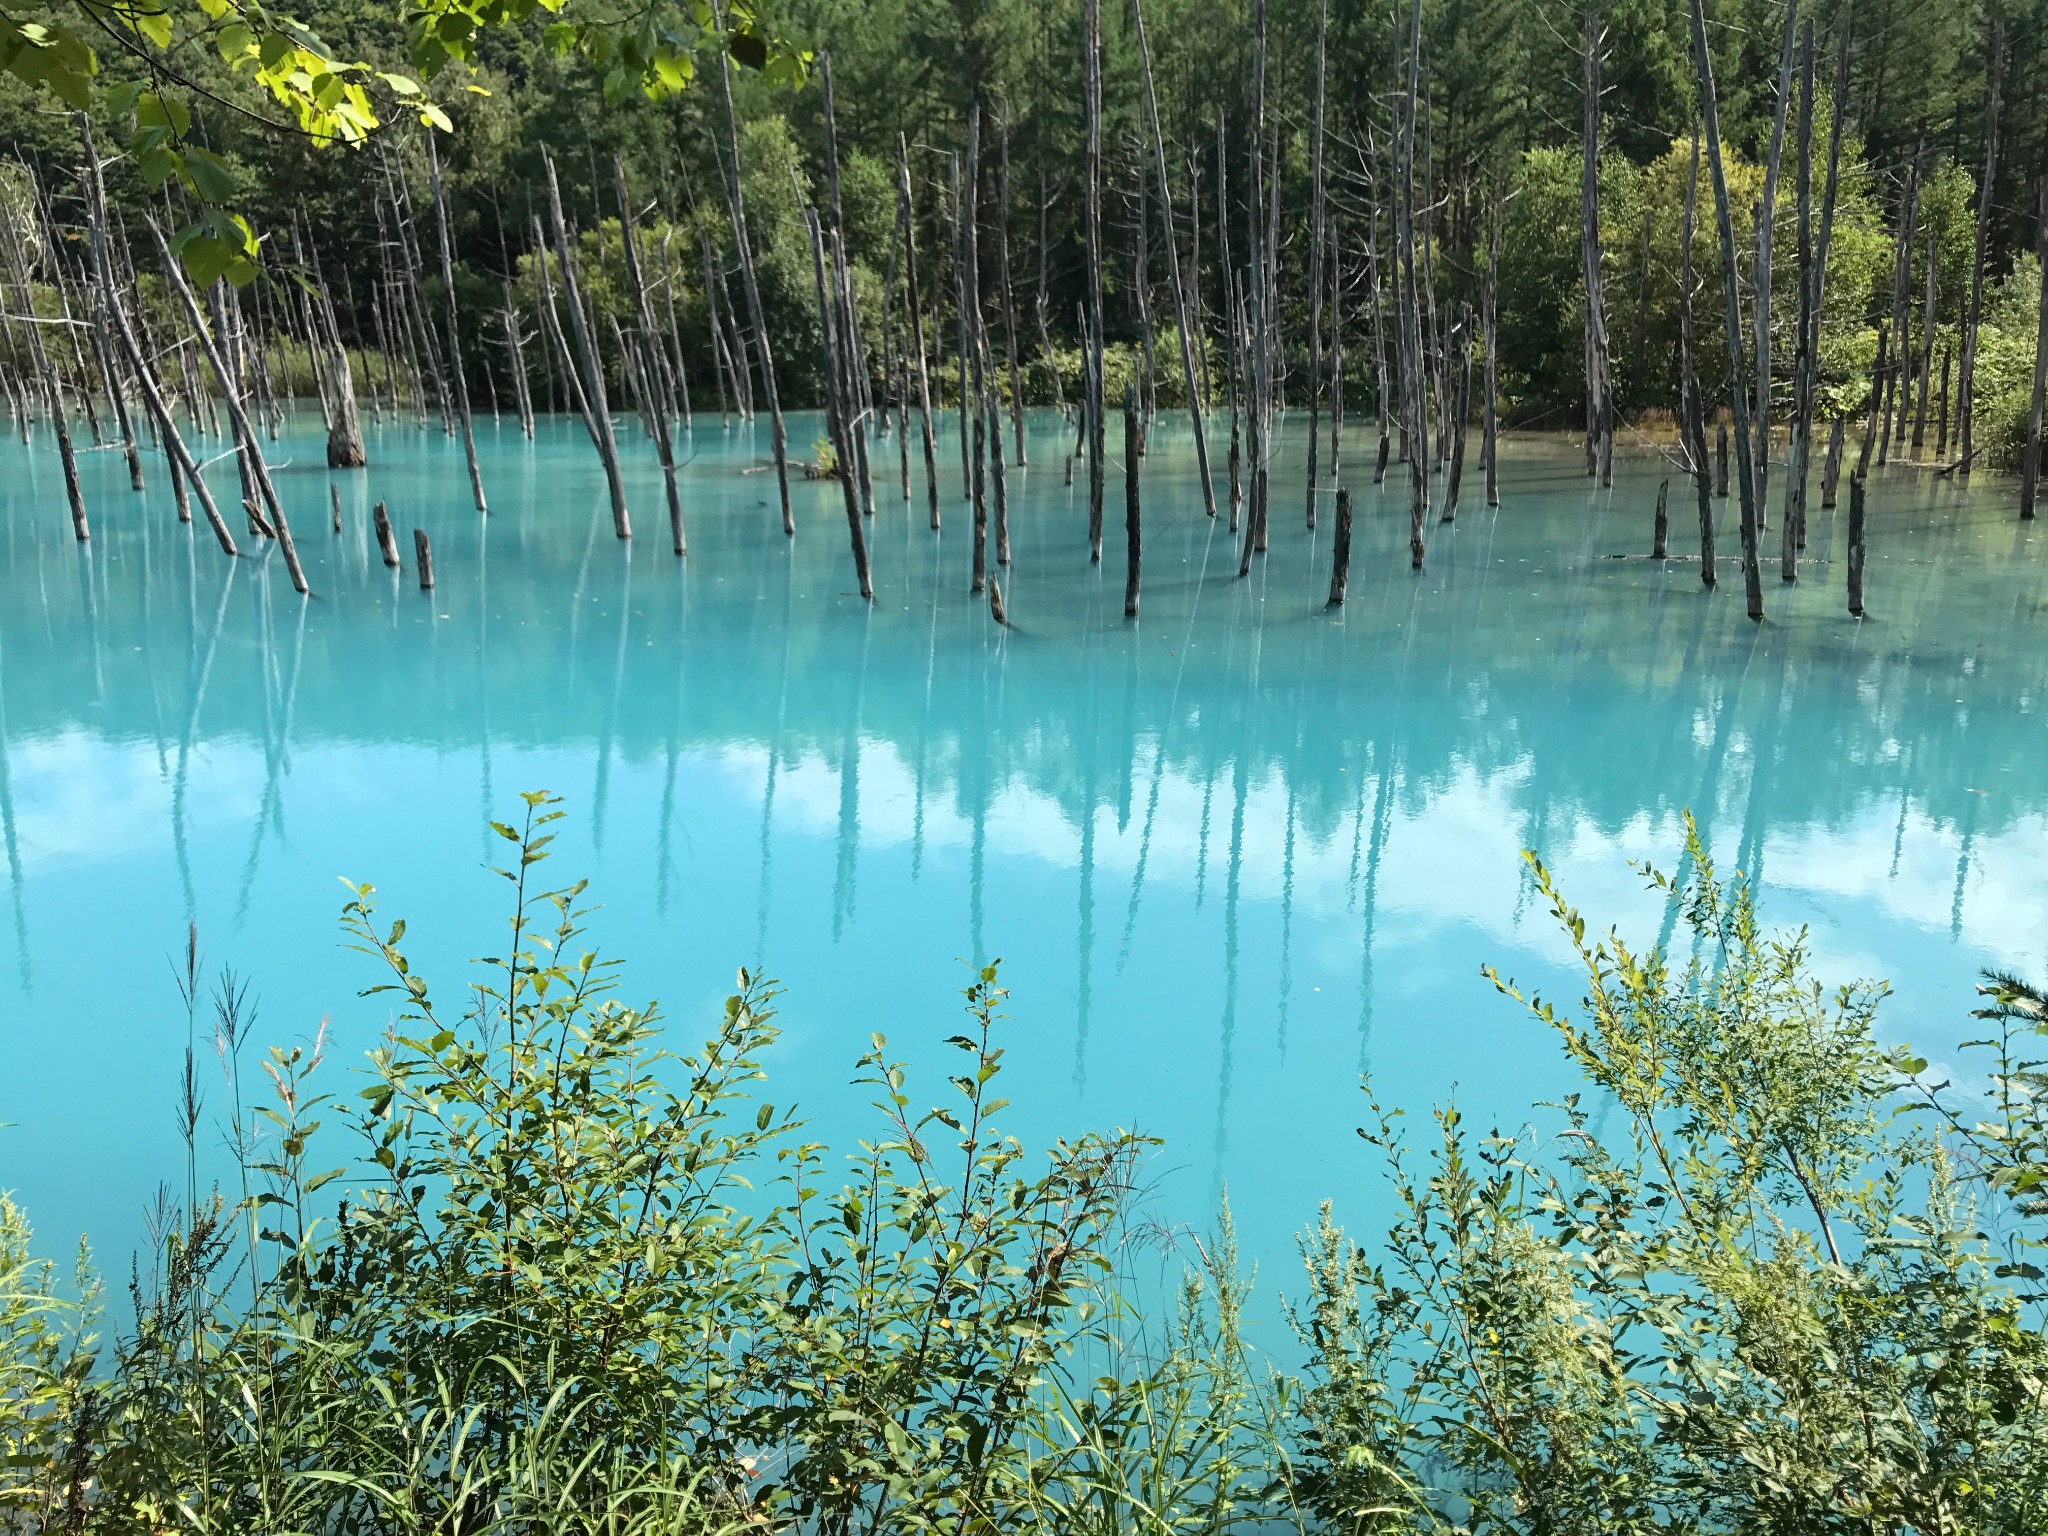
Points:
(1232, 855)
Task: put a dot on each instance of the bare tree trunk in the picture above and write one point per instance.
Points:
(836, 409)
(515, 353)
(231, 396)
(1732, 306)
(2030, 472)
(973, 378)
(1336, 282)
(1133, 540)
(1856, 537)
(1262, 340)
(661, 409)
(736, 202)
(1233, 326)
(1767, 213)
(1966, 373)
(1091, 108)
(1599, 369)
(1340, 550)
(1414, 410)
(1315, 255)
(1490, 430)
(1184, 319)
(1902, 282)
(1925, 368)
(184, 471)
(53, 392)
(924, 388)
(1792, 533)
(456, 372)
(1461, 341)
(1009, 312)
(590, 369)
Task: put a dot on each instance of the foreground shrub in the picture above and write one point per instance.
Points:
(1734, 1293)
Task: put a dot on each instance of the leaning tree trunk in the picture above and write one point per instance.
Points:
(1183, 318)
(661, 407)
(778, 435)
(589, 366)
(1732, 314)
(231, 396)
(457, 374)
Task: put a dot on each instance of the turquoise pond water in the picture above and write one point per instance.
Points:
(1232, 855)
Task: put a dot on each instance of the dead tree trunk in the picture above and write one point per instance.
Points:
(1761, 298)
(1856, 537)
(736, 202)
(1489, 445)
(1925, 367)
(515, 355)
(1133, 540)
(1091, 100)
(2030, 473)
(457, 374)
(835, 409)
(1414, 410)
(654, 391)
(184, 471)
(1183, 315)
(1009, 317)
(589, 367)
(1461, 342)
(1599, 365)
(232, 398)
(1692, 410)
(1340, 550)
(1791, 533)
(1966, 373)
(1315, 252)
(911, 302)
(53, 392)
(1732, 307)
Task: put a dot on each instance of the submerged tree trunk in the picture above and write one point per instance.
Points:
(736, 203)
(1966, 375)
(1732, 312)
(1767, 212)
(924, 387)
(1091, 111)
(1489, 442)
(1599, 363)
(589, 367)
(456, 372)
(1183, 316)
(660, 407)
(1791, 534)
(2030, 472)
(231, 395)
(1315, 253)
